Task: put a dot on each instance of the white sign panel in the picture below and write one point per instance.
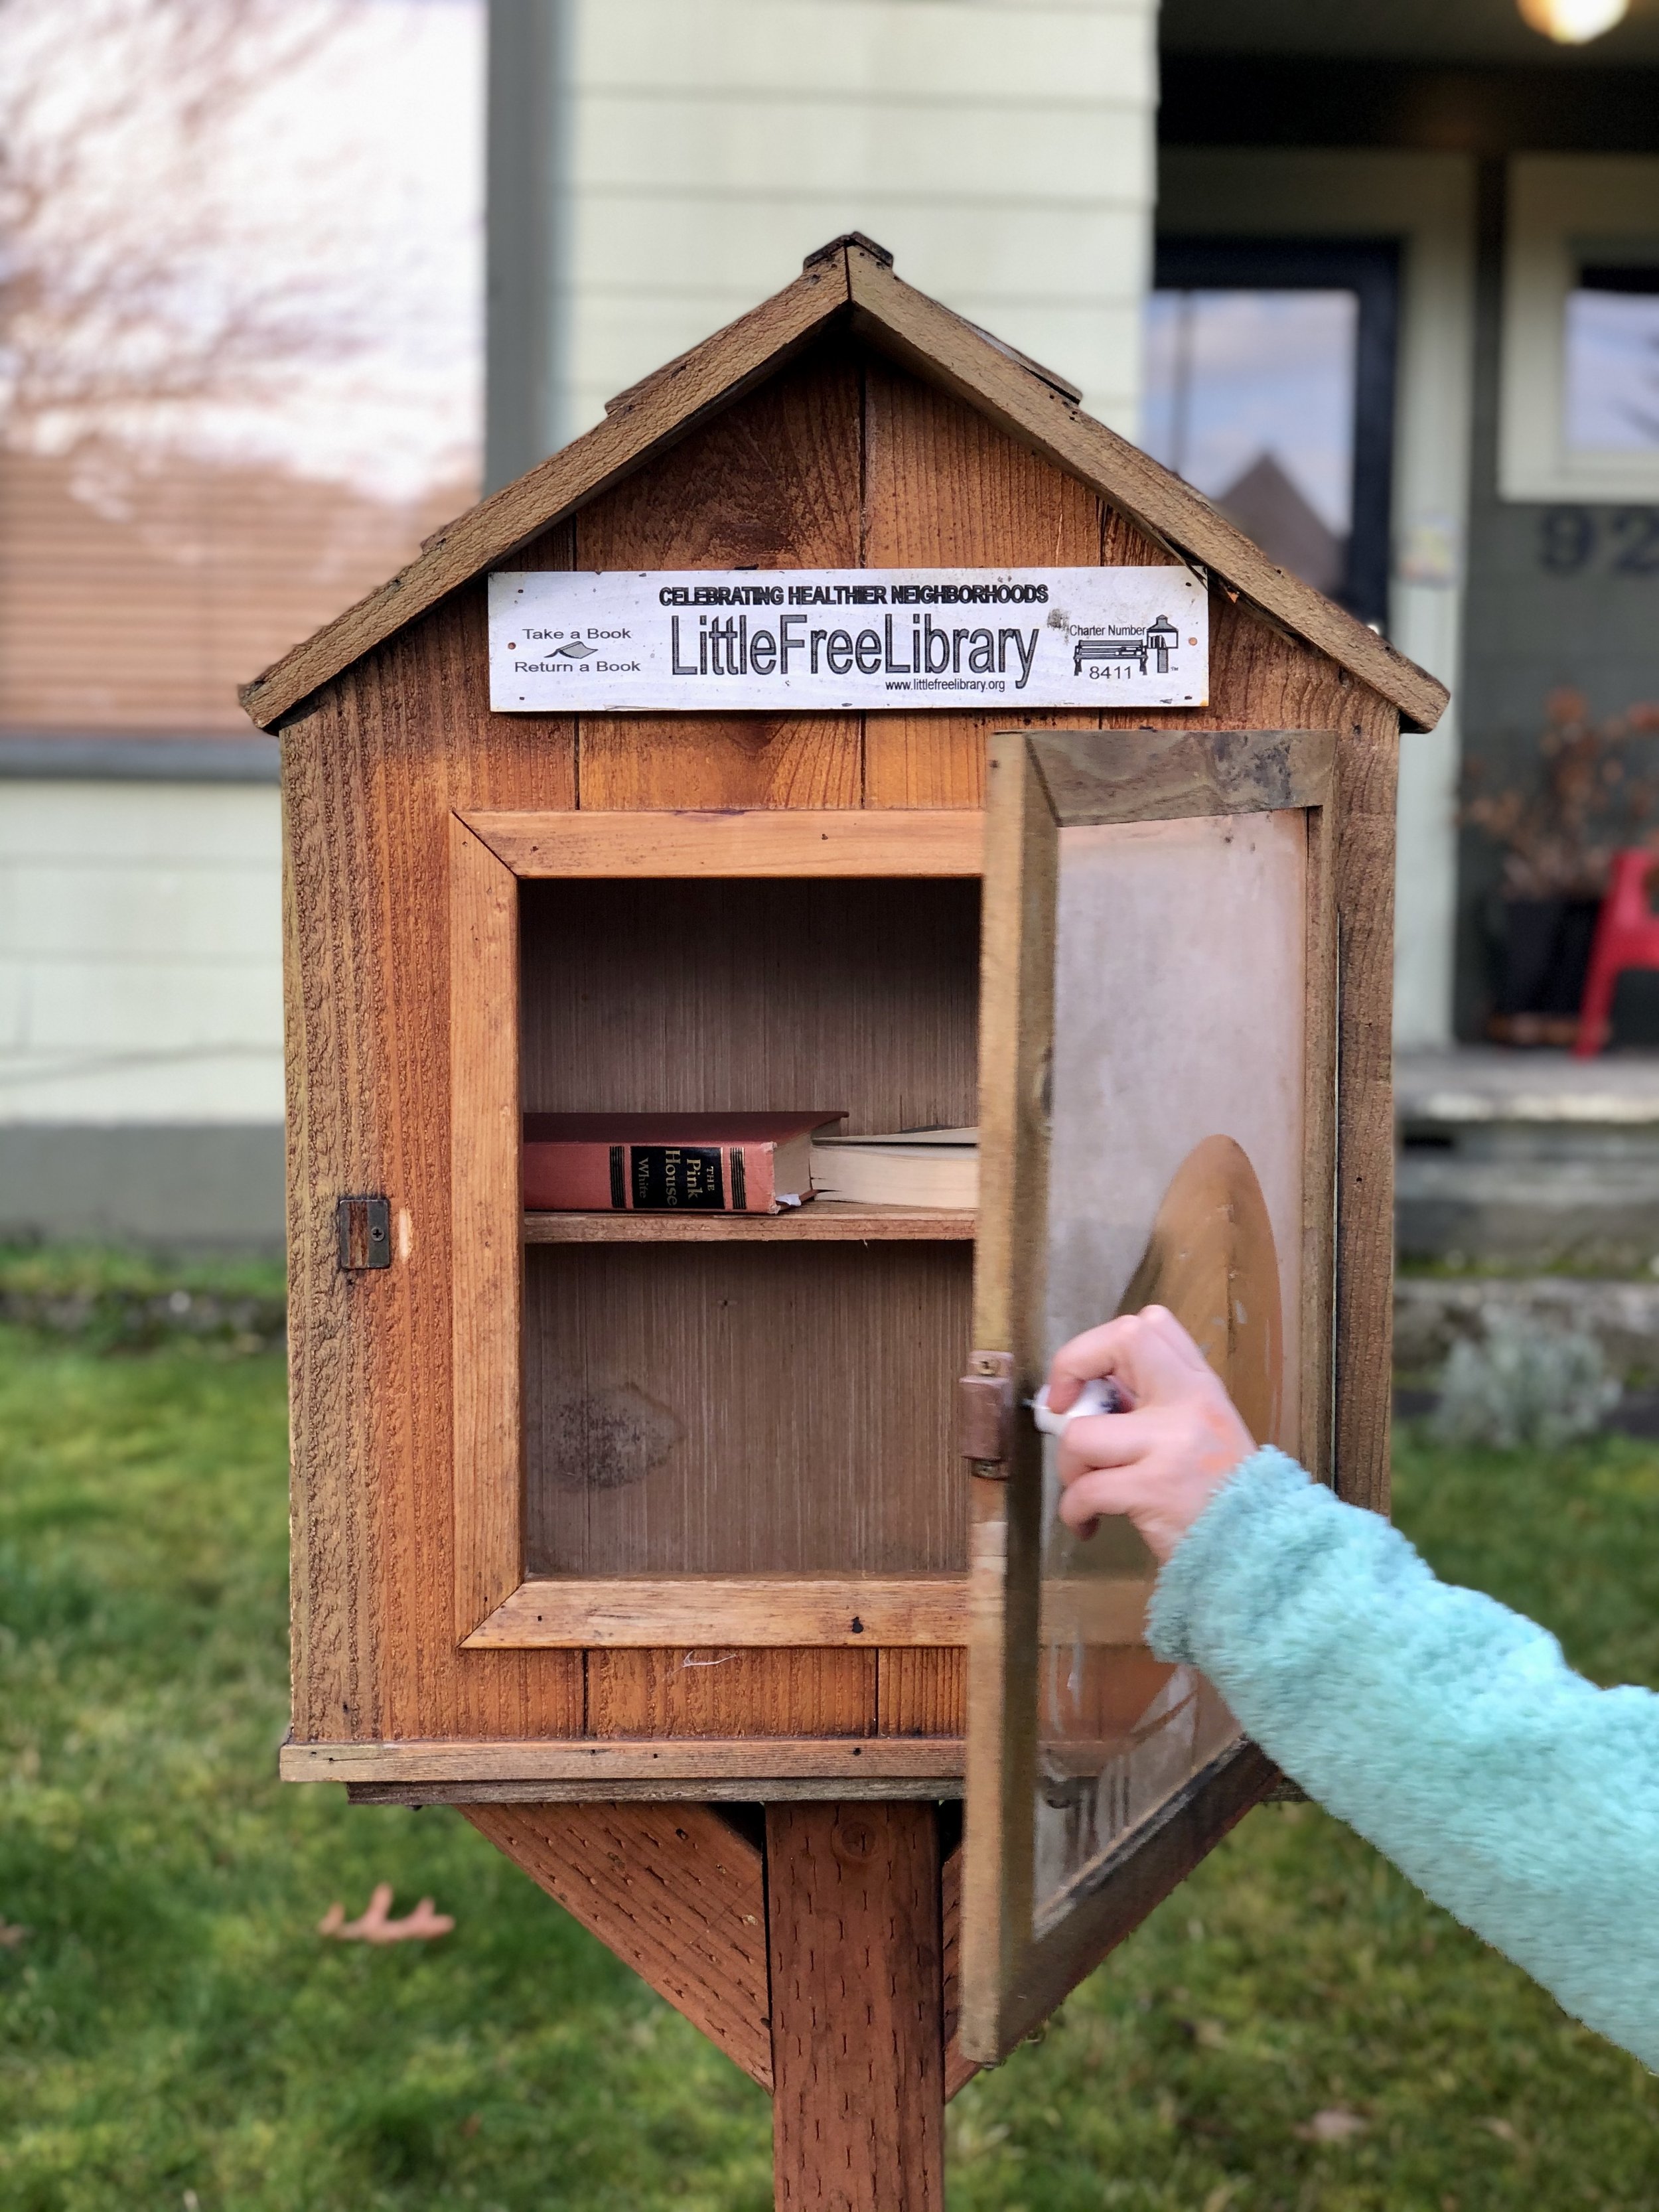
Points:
(823, 639)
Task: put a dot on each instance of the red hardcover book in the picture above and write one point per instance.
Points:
(710, 1163)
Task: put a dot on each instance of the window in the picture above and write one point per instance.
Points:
(1250, 397)
(1269, 385)
(1579, 382)
(1612, 397)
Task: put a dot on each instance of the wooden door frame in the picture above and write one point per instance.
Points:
(496, 1605)
(1040, 783)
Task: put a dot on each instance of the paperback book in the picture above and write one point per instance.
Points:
(932, 1168)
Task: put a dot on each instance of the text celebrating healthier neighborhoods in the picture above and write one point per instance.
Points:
(801, 639)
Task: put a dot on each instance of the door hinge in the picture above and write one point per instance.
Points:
(984, 1413)
(365, 1230)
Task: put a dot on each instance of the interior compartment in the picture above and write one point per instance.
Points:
(745, 1408)
(768, 1407)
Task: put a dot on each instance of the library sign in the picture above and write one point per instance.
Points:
(826, 639)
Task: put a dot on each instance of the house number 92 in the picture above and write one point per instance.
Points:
(1625, 541)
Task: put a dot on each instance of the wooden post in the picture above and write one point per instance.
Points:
(858, 2037)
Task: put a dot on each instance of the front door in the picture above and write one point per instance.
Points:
(1270, 387)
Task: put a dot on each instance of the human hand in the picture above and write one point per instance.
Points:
(1161, 1460)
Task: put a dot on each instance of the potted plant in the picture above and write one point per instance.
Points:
(1559, 835)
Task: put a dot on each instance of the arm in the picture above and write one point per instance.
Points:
(1447, 1731)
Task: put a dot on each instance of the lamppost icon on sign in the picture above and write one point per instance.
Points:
(1156, 643)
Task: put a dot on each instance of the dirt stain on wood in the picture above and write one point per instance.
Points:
(605, 1439)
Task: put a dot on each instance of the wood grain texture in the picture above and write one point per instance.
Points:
(486, 1201)
(772, 482)
(1318, 1323)
(824, 1221)
(371, 781)
(1162, 776)
(743, 842)
(491, 533)
(1363, 863)
(959, 2069)
(858, 997)
(744, 1409)
(944, 488)
(679, 1895)
(923, 1692)
(858, 2047)
(726, 1691)
(1017, 993)
(846, 1783)
(694, 1760)
(862, 1612)
(1017, 990)
(336, 1320)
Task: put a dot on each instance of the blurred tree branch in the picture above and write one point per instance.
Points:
(132, 286)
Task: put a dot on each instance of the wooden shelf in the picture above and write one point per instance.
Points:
(746, 1611)
(824, 1221)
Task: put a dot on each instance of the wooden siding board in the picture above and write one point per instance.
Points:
(944, 488)
(372, 779)
(772, 482)
(811, 1690)
(922, 1692)
(674, 1892)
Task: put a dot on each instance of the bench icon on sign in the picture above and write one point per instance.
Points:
(1157, 643)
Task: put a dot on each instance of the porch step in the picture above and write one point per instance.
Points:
(1528, 1158)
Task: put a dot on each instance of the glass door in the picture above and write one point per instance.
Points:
(1158, 1012)
(1269, 386)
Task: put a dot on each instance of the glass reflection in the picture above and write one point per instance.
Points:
(1175, 1178)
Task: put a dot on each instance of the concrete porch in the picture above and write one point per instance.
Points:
(1524, 1160)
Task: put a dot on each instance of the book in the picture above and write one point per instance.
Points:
(674, 1163)
(907, 1167)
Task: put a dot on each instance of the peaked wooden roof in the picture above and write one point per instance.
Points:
(853, 279)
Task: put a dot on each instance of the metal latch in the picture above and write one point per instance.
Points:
(365, 1233)
(984, 1413)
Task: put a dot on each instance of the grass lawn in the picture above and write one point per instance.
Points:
(174, 2034)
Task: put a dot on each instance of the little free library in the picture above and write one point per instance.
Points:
(844, 875)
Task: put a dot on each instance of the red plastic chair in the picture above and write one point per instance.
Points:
(1626, 936)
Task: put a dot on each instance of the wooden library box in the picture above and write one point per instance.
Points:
(606, 1519)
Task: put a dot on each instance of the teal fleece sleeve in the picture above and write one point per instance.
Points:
(1447, 1731)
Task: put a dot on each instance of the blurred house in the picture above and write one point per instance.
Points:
(1381, 276)
(224, 416)
(140, 1078)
